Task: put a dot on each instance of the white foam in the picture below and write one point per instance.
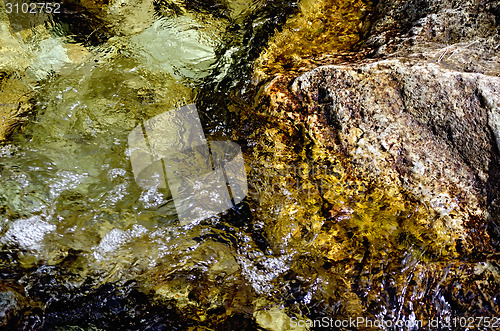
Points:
(28, 233)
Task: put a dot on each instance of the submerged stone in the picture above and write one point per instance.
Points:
(320, 28)
(182, 46)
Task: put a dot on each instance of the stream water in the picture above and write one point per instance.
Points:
(73, 218)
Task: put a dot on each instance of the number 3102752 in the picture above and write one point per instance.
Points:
(33, 8)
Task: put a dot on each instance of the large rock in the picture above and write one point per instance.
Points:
(421, 115)
(385, 162)
(461, 35)
(429, 130)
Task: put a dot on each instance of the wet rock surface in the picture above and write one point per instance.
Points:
(17, 101)
(415, 125)
(460, 35)
(408, 132)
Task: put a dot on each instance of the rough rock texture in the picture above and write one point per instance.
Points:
(428, 129)
(421, 114)
(409, 138)
(461, 35)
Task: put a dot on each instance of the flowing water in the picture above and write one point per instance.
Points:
(85, 247)
(73, 216)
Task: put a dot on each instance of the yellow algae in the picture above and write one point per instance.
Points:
(16, 97)
(314, 200)
(321, 27)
